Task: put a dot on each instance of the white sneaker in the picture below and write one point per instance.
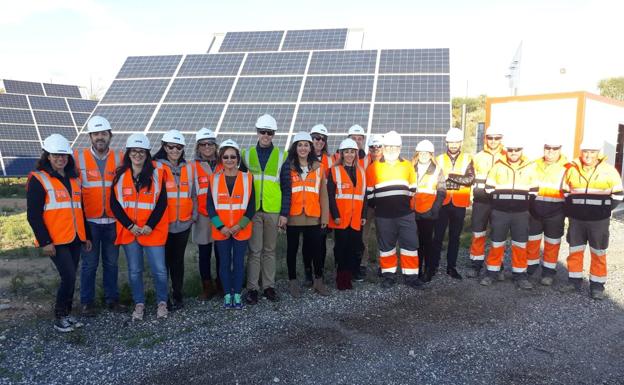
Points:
(139, 310)
(74, 322)
(162, 311)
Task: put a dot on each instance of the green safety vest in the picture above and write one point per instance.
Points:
(266, 183)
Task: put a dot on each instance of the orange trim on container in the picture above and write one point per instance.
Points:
(580, 125)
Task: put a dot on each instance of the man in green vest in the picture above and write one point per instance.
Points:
(272, 207)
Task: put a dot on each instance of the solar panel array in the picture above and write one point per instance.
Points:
(30, 112)
(301, 78)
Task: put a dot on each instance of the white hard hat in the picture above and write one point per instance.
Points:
(348, 143)
(97, 124)
(454, 135)
(138, 141)
(392, 138)
(319, 129)
(57, 144)
(174, 136)
(494, 130)
(229, 143)
(592, 143)
(552, 139)
(375, 140)
(266, 122)
(302, 135)
(356, 129)
(205, 133)
(514, 141)
(426, 146)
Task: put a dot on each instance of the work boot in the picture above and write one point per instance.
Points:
(208, 290)
(547, 280)
(486, 281)
(597, 294)
(570, 287)
(363, 271)
(116, 307)
(531, 269)
(429, 274)
(319, 287)
(294, 289)
(414, 282)
(74, 322)
(524, 284)
(227, 302)
(308, 282)
(251, 297)
(270, 294)
(388, 281)
(473, 272)
(500, 276)
(88, 310)
(452, 272)
(340, 280)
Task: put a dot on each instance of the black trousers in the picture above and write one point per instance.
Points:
(66, 261)
(174, 260)
(347, 247)
(452, 217)
(205, 255)
(425, 244)
(307, 262)
(311, 249)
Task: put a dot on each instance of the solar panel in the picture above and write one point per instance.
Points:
(46, 103)
(276, 63)
(186, 117)
(18, 132)
(53, 118)
(149, 66)
(343, 62)
(338, 89)
(414, 61)
(135, 91)
(62, 90)
(20, 149)
(315, 39)
(269, 89)
(251, 41)
(185, 90)
(21, 87)
(242, 117)
(211, 65)
(15, 116)
(19, 166)
(412, 118)
(413, 88)
(336, 117)
(82, 105)
(80, 119)
(126, 117)
(13, 101)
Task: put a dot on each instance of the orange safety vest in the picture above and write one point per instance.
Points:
(349, 198)
(306, 193)
(461, 197)
(327, 161)
(427, 190)
(138, 205)
(179, 201)
(549, 179)
(95, 186)
(202, 184)
(231, 207)
(62, 213)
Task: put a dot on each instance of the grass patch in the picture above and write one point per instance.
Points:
(144, 340)
(13, 187)
(16, 237)
(77, 338)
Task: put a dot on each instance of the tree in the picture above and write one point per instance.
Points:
(475, 113)
(612, 87)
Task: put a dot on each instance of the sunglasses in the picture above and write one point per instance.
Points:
(552, 148)
(206, 144)
(266, 132)
(375, 147)
(229, 157)
(171, 147)
(135, 151)
(322, 138)
(514, 149)
(493, 137)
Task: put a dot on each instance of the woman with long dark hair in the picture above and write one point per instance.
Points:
(54, 211)
(309, 212)
(139, 202)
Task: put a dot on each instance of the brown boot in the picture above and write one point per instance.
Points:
(294, 288)
(219, 288)
(208, 290)
(320, 287)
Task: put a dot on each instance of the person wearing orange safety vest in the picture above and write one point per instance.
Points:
(54, 212)
(96, 166)
(510, 182)
(390, 185)
(231, 207)
(346, 190)
(546, 208)
(375, 152)
(181, 209)
(205, 165)
(482, 163)
(427, 203)
(139, 203)
(309, 212)
(592, 188)
(459, 172)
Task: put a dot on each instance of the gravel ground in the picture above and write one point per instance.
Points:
(454, 332)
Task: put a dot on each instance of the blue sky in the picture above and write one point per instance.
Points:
(85, 42)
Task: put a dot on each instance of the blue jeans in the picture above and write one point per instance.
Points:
(232, 261)
(156, 260)
(103, 239)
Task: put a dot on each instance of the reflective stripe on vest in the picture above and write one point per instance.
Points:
(306, 193)
(349, 198)
(202, 183)
(231, 207)
(179, 201)
(427, 190)
(95, 186)
(461, 197)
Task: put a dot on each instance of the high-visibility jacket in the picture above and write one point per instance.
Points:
(95, 186)
(483, 162)
(591, 195)
(390, 188)
(202, 184)
(306, 192)
(349, 197)
(266, 183)
(179, 200)
(138, 205)
(62, 211)
(427, 190)
(327, 161)
(549, 179)
(511, 184)
(231, 207)
(461, 197)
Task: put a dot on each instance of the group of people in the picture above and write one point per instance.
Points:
(235, 201)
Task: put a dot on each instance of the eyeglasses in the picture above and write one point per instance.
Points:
(136, 151)
(266, 132)
(172, 147)
(375, 147)
(552, 148)
(206, 144)
(494, 137)
(229, 157)
(318, 137)
(514, 149)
